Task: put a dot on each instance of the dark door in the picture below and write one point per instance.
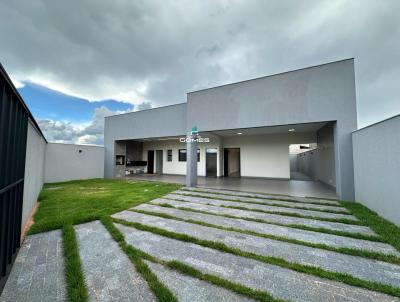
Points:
(211, 163)
(150, 161)
(159, 161)
(226, 162)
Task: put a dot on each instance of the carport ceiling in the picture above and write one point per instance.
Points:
(310, 127)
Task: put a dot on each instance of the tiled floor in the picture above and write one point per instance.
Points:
(276, 186)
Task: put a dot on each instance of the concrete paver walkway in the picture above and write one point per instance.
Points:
(280, 282)
(109, 274)
(38, 271)
(273, 218)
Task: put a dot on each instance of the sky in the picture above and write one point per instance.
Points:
(76, 61)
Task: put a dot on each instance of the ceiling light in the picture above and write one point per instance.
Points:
(240, 133)
(291, 130)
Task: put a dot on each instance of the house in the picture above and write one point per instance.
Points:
(244, 130)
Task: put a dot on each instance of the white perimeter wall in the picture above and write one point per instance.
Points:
(376, 152)
(64, 162)
(260, 155)
(34, 171)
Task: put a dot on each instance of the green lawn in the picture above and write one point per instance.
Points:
(80, 201)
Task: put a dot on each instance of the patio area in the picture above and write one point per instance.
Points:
(259, 185)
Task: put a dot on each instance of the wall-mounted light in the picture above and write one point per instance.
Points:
(239, 133)
(291, 130)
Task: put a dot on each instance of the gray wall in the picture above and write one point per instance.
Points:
(376, 152)
(321, 93)
(325, 166)
(34, 171)
(64, 162)
(308, 163)
(157, 122)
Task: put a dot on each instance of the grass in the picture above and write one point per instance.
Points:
(266, 204)
(162, 293)
(384, 228)
(295, 226)
(76, 288)
(80, 201)
(340, 277)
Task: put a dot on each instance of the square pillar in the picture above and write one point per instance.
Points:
(191, 162)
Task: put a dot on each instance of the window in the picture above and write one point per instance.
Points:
(182, 155)
(169, 155)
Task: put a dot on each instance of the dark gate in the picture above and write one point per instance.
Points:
(13, 130)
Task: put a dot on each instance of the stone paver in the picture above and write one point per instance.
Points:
(280, 282)
(254, 206)
(260, 195)
(273, 218)
(109, 274)
(188, 289)
(38, 271)
(204, 232)
(363, 268)
(289, 204)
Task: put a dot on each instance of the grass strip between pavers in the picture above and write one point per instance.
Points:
(76, 287)
(135, 253)
(162, 293)
(308, 269)
(384, 228)
(340, 220)
(278, 197)
(301, 206)
(295, 226)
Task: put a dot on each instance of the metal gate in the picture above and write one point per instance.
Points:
(13, 130)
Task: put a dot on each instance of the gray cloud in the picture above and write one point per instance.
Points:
(156, 51)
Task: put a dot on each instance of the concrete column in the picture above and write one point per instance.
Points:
(191, 163)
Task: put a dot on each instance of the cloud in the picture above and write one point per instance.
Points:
(156, 51)
(143, 106)
(65, 132)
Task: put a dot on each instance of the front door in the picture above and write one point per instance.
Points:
(211, 163)
(159, 161)
(150, 161)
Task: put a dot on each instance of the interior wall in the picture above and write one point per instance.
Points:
(326, 155)
(134, 151)
(34, 171)
(266, 156)
(294, 164)
(64, 162)
(234, 161)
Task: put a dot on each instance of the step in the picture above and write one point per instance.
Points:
(273, 218)
(290, 204)
(264, 195)
(252, 206)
